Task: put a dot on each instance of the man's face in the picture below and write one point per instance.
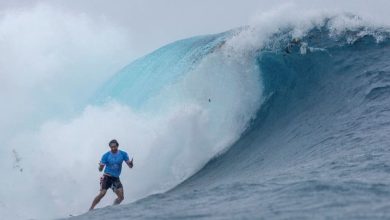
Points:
(114, 148)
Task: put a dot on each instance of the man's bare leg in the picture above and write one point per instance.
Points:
(119, 193)
(98, 198)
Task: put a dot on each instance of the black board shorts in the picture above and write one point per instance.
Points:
(107, 182)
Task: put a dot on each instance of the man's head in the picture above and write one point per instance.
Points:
(113, 145)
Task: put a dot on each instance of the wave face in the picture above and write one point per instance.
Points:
(145, 77)
(318, 147)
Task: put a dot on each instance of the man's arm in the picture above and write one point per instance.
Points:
(103, 162)
(130, 163)
(101, 166)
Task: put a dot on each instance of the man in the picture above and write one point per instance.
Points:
(112, 160)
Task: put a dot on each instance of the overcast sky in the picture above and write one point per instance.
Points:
(153, 23)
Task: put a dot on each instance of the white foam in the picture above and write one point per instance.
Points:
(50, 62)
(299, 20)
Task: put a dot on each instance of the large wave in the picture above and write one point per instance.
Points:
(319, 146)
(175, 109)
(316, 148)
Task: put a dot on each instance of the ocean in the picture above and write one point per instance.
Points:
(289, 122)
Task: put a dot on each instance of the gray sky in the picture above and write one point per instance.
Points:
(154, 23)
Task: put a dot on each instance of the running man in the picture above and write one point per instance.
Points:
(112, 160)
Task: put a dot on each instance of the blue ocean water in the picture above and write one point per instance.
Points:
(317, 149)
(145, 77)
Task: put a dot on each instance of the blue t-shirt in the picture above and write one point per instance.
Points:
(113, 162)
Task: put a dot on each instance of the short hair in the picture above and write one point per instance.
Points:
(113, 141)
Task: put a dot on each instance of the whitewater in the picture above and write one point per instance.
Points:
(281, 120)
